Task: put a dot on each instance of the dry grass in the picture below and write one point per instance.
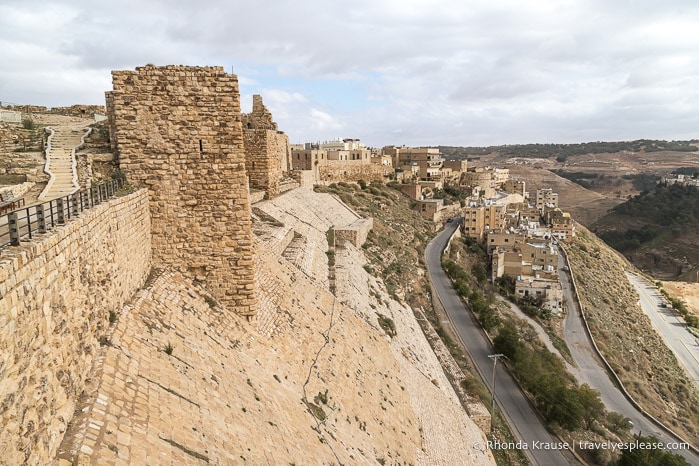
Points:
(627, 339)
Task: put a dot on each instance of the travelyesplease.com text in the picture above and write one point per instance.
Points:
(579, 445)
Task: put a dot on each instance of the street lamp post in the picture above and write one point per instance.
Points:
(495, 358)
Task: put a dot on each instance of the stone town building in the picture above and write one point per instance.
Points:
(429, 208)
(413, 190)
(452, 170)
(307, 159)
(515, 187)
(456, 166)
(504, 239)
(178, 131)
(428, 160)
(546, 197)
(267, 150)
(478, 220)
(484, 177)
(341, 160)
(561, 224)
(509, 262)
(527, 215)
(548, 292)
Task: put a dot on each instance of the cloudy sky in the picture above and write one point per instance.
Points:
(414, 72)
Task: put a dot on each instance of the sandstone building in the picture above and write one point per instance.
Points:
(339, 160)
(546, 197)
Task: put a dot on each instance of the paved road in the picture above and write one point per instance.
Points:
(520, 415)
(669, 325)
(592, 371)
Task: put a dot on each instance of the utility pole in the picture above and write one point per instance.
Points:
(495, 358)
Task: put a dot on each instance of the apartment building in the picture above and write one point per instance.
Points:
(546, 197)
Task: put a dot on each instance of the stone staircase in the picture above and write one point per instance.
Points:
(60, 161)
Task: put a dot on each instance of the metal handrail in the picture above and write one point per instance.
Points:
(39, 218)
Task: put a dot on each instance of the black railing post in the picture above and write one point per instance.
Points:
(14, 228)
(60, 211)
(40, 220)
(29, 222)
(74, 204)
(53, 218)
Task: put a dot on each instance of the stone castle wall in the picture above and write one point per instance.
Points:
(267, 150)
(73, 110)
(56, 295)
(178, 131)
(351, 170)
(264, 152)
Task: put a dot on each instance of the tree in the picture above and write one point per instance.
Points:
(591, 403)
(479, 272)
(507, 342)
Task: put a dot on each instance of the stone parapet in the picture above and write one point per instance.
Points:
(56, 295)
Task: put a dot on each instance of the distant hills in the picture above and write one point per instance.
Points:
(562, 151)
(657, 230)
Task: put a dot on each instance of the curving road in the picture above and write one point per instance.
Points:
(523, 420)
(592, 371)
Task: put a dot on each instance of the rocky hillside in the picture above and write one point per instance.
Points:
(313, 381)
(657, 230)
(627, 339)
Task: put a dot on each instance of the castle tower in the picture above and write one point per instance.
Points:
(178, 131)
(267, 150)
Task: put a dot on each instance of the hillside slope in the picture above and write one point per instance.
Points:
(658, 231)
(626, 338)
(584, 205)
(184, 382)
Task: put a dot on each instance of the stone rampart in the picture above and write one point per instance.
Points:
(73, 110)
(351, 170)
(264, 152)
(178, 131)
(57, 293)
(267, 150)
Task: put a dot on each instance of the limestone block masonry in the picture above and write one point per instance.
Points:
(267, 150)
(178, 131)
(56, 295)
